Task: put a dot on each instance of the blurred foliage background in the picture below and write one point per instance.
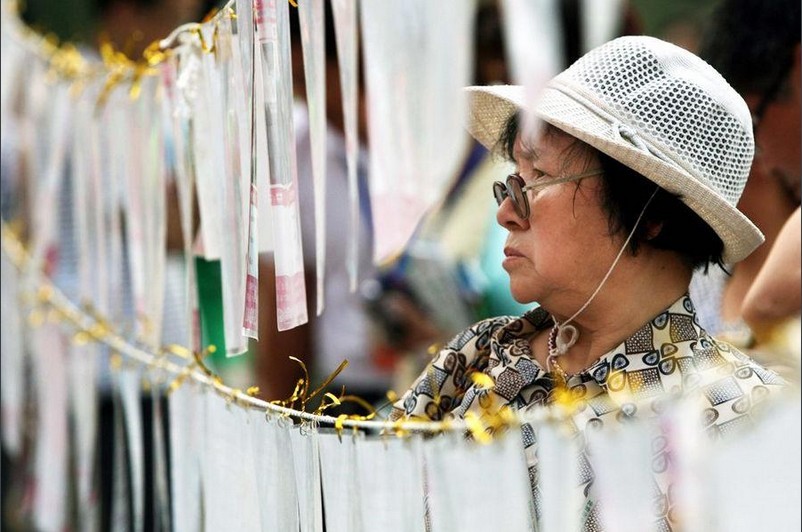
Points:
(678, 21)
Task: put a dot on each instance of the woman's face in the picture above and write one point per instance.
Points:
(559, 254)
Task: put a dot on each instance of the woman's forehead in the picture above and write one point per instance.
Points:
(549, 142)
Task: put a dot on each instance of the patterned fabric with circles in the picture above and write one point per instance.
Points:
(671, 356)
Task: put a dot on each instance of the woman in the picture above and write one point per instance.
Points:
(629, 186)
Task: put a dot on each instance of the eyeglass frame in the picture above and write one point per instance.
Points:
(501, 189)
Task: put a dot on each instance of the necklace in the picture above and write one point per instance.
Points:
(561, 338)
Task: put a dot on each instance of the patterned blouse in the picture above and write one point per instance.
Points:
(668, 356)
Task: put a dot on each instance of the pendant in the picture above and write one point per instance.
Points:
(567, 336)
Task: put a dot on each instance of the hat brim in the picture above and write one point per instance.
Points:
(491, 107)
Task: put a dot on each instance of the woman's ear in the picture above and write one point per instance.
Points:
(653, 229)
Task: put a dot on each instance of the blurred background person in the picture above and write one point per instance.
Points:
(756, 47)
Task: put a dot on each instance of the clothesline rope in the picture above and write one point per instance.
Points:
(99, 330)
(66, 61)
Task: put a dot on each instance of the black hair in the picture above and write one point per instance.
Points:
(751, 42)
(624, 194)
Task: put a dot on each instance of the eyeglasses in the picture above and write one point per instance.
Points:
(516, 189)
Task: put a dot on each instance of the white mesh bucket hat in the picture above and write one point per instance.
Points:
(656, 108)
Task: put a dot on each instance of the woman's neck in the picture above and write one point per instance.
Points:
(637, 291)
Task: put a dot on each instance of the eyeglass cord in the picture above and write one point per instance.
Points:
(561, 344)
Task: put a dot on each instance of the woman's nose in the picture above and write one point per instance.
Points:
(508, 218)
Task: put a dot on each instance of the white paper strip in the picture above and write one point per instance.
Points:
(462, 476)
(690, 464)
(50, 466)
(229, 485)
(134, 215)
(532, 25)
(12, 361)
(99, 139)
(390, 483)
(345, 31)
(260, 162)
(186, 423)
(275, 472)
(47, 195)
(243, 96)
(559, 479)
(120, 491)
(161, 490)
(622, 463)
(153, 183)
(130, 393)
(184, 177)
(83, 200)
(313, 39)
(306, 459)
(272, 26)
(341, 499)
(416, 108)
(234, 197)
(756, 477)
(82, 370)
(601, 21)
(204, 151)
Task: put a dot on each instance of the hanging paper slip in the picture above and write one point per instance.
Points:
(153, 195)
(345, 31)
(120, 491)
(186, 422)
(532, 26)
(415, 109)
(558, 466)
(161, 491)
(179, 124)
(290, 281)
(623, 480)
(306, 458)
(390, 478)
(233, 204)
(48, 192)
(272, 27)
(453, 466)
(12, 362)
(340, 485)
(229, 486)
(250, 319)
(128, 381)
(313, 39)
(82, 372)
(50, 458)
(241, 94)
(260, 166)
(205, 151)
(275, 473)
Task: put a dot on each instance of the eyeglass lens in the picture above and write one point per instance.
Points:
(513, 189)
